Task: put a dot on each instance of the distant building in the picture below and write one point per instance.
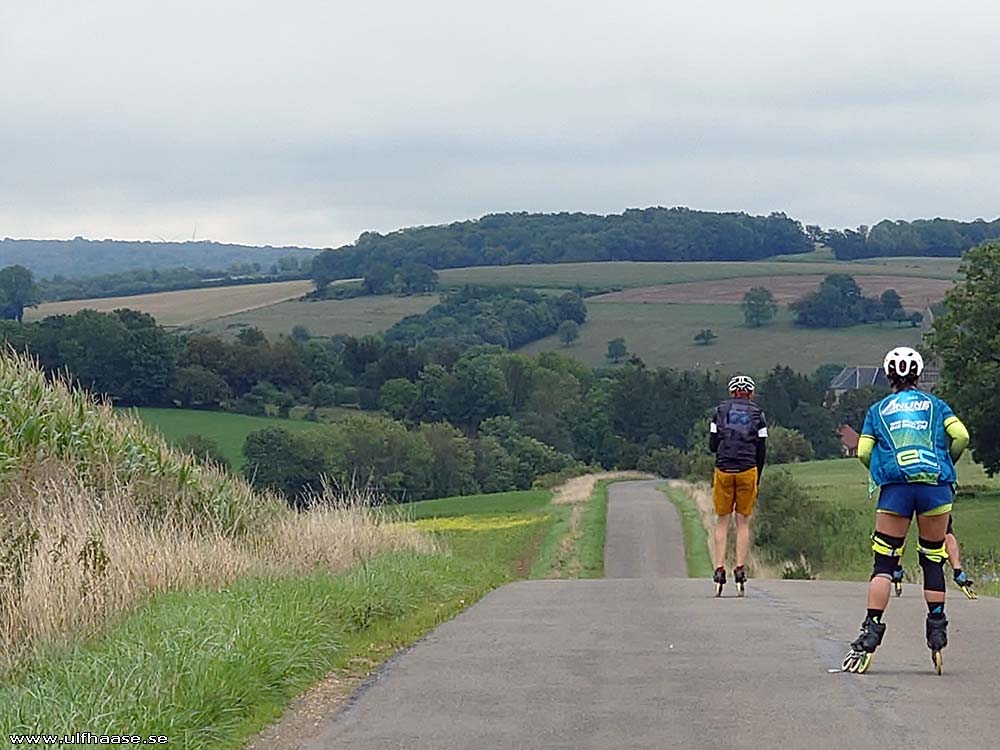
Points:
(853, 378)
(848, 440)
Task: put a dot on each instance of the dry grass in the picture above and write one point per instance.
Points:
(701, 494)
(97, 515)
(188, 305)
(579, 489)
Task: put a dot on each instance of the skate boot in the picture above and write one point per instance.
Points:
(720, 580)
(859, 657)
(937, 638)
(740, 576)
(897, 580)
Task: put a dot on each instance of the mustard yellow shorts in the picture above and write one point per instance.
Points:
(735, 491)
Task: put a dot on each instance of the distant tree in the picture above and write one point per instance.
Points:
(417, 277)
(397, 397)
(900, 316)
(197, 387)
(890, 301)
(379, 279)
(453, 461)
(278, 460)
(251, 336)
(569, 332)
(852, 406)
(705, 336)
(759, 306)
(617, 350)
(301, 334)
(916, 318)
(17, 291)
(322, 395)
(205, 450)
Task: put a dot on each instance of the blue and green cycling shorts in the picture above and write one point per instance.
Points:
(922, 499)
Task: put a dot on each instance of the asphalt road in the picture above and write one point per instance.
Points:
(649, 661)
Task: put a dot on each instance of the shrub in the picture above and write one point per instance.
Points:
(789, 524)
(668, 462)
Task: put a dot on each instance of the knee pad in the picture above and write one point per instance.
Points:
(932, 555)
(888, 549)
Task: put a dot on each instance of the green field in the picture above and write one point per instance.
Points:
(663, 335)
(360, 316)
(627, 274)
(229, 431)
(843, 484)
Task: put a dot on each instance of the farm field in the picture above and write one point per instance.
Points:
(185, 306)
(361, 316)
(628, 274)
(915, 293)
(229, 431)
(662, 335)
(843, 483)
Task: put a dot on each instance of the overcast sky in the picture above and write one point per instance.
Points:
(310, 121)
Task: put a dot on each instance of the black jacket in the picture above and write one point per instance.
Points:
(738, 435)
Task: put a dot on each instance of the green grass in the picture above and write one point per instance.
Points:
(590, 548)
(361, 316)
(696, 554)
(209, 669)
(843, 484)
(626, 274)
(663, 335)
(478, 505)
(228, 430)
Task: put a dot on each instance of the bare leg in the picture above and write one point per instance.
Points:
(721, 539)
(931, 528)
(742, 539)
(880, 586)
(951, 544)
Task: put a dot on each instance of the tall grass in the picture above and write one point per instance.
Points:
(97, 514)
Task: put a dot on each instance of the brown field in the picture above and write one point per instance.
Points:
(915, 292)
(186, 306)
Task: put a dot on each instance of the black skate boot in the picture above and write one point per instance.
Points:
(859, 657)
(740, 576)
(937, 638)
(720, 580)
(897, 580)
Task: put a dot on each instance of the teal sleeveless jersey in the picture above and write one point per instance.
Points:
(911, 444)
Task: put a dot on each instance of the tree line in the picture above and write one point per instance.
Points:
(519, 415)
(149, 281)
(652, 234)
(933, 237)
(510, 318)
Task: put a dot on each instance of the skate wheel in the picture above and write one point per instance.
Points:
(899, 589)
(718, 590)
(740, 590)
(936, 658)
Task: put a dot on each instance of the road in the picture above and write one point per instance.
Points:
(646, 660)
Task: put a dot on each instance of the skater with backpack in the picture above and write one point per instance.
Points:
(910, 443)
(738, 438)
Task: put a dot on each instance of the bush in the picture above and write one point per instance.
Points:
(205, 450)
(789, 524)
(787, 446)
(668, 462)
(701, 466)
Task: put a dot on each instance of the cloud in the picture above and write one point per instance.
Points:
(311, 121)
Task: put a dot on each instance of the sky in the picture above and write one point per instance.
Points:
(307, 122)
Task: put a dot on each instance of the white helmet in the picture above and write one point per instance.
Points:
(902, 362)
(742, 383)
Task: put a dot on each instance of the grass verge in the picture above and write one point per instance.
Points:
(696, 554)
(208, 669)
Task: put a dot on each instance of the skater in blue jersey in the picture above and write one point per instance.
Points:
(910, 443)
